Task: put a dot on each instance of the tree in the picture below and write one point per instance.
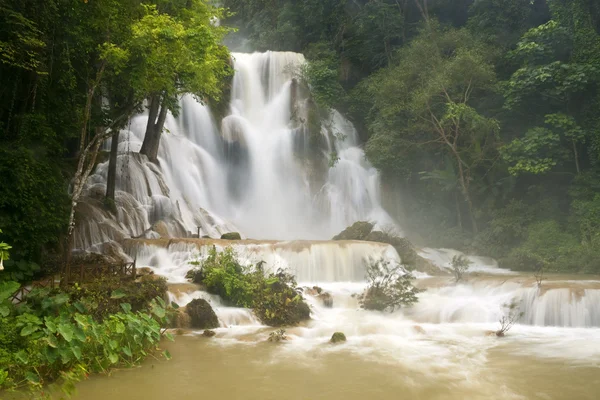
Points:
(428, 99)
(173, 55)
(460, 264)
(389, 287)
(511, 315)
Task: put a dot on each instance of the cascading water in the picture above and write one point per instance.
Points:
(247, 174)
(255, 172)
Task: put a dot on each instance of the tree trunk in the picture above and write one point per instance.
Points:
(576, 157)
(112, 170)
(458, 213)
(465, 189)
(154, 129)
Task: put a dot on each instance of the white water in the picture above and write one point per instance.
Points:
(248, 173)
(443, 335)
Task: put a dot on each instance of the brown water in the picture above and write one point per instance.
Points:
(207, 368)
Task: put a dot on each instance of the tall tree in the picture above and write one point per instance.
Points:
(173, 55)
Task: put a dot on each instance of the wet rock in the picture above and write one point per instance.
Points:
(202, 315)
(326, 298)
(162, 229)
(231, 236)
(313, 291)
(338, 337)
(208, 333)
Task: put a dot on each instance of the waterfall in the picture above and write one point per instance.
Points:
(249, 172)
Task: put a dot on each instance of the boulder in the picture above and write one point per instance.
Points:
(338, 337)
(208, 333)
(202, 315)
(326, 298)
(231, 236)
(358, 231)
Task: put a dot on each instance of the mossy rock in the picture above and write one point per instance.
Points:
(358, 231)
(202, 315)
(231, 236)
(338, 337)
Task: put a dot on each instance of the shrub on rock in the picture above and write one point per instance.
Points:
(231, 236)
(390, 287)
(358, 231)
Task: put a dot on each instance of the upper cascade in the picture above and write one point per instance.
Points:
(255, 171)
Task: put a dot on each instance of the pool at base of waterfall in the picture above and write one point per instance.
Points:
(453, 367)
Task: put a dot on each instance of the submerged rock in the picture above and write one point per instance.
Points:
(231, 236)
(202, 315)
(338, 337)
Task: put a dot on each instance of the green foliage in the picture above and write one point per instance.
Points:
(273, 296)
(56, 338)
(277, 336)
(389, 287)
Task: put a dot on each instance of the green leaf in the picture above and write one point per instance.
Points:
(52, 341)
(50, 325)
(7, 289)
(32, 378)
(126, 307)
(22, 356)
(113, 358)
(118, 294)
(4, 310)
(167, 355)
(174, 305)
(76, 352)
(28, 330)
(66, 331)
(80, 307)
(126, 350)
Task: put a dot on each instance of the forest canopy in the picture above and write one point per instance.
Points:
(481, 115)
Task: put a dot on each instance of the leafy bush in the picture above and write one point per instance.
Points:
(390, 287)
(460, 265)
(57, 338)
(273, 296)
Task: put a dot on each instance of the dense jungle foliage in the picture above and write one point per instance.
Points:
(482, 115)
(72, 73)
